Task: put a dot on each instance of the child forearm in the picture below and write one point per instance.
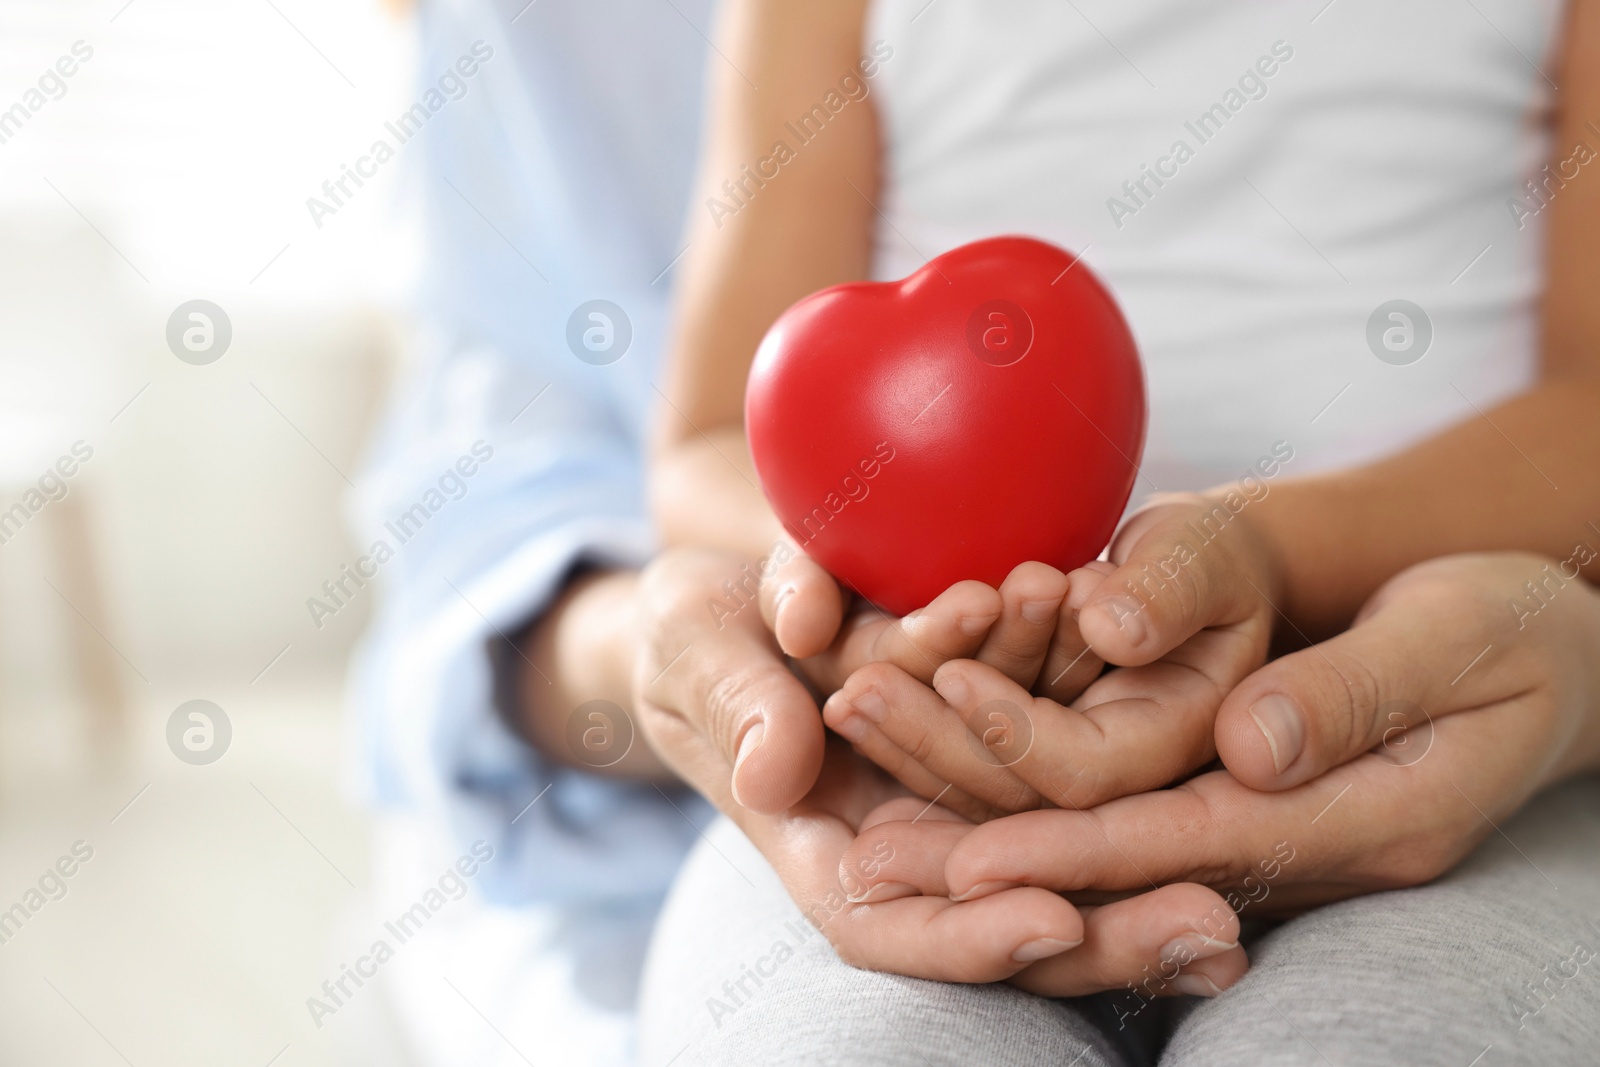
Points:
(1522, 475)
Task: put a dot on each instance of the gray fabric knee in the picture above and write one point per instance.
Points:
(1496, 963)
(736, 975)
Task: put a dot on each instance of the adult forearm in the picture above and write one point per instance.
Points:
(582, 650)
(1522, 475)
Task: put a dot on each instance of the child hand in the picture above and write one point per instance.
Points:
(1026, 629)
(982, 745)
(1193, 622)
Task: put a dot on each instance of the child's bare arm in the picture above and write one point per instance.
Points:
(754, 249)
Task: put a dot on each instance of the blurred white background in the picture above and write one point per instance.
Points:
(176, 166)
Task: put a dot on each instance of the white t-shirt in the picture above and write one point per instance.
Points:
(1253, 179)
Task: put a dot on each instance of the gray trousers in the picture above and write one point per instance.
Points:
(1496, 963)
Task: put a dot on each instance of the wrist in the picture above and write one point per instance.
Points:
(582, 651)
(1317, 561)
(1258, 553)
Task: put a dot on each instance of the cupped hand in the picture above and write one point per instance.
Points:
(1026, 628)
(1186, 603)
(1452, 699)
(1184, 565)
(717, 703)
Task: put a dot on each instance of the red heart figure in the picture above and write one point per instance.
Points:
(985, 411)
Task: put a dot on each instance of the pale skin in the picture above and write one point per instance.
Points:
(722, 711)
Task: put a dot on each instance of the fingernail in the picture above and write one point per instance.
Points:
(1128, 614)
(1186, 948)
(1283, 725)
(1042, 947)
(1196, 985)
(747, 745)
(1039, 611)
(951, 686)
(853, 728)
(983, 889)
(973, 625)
(883, 891)
(779, 610)
(871, 704)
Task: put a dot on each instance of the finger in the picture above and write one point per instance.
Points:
(919, 844)
(1210, 976)
(1139, 728)
(923, 729)
(1278, 853)
(952, 627)
(1071, 665)
(800, 602)
(1147, 942)
(980, 941)
(1379, 684)
(747, 729)
(869, 741)
(893, 859)
(923, 936)
(904, 809)
(1211, 829)
(1031, 599)
(1183, 564)
(1368, 825)
(916, 835)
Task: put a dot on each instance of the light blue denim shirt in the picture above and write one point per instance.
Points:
(557, 172)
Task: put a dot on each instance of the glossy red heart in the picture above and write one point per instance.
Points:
(985, 411)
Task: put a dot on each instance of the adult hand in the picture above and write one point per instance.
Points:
(717, 703)
(1454, 697)
(1027, 629)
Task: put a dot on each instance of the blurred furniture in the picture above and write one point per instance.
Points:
(29, 445)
